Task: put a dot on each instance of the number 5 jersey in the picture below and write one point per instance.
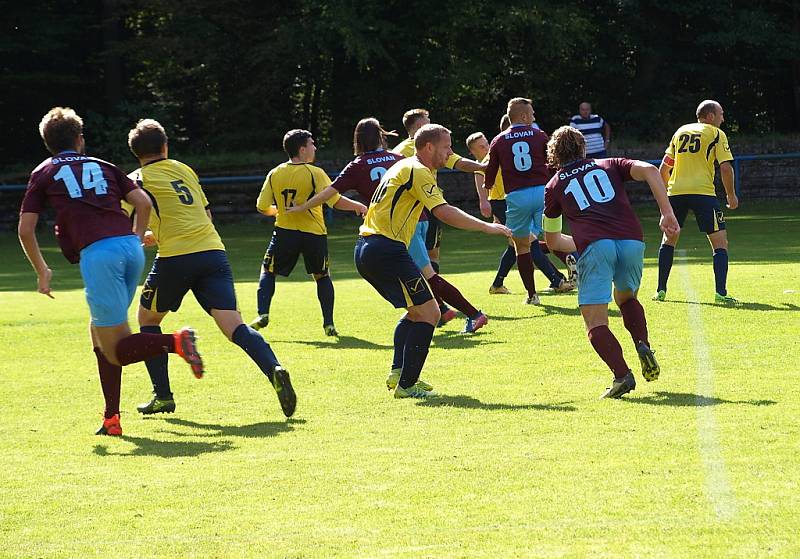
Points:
(178, 220)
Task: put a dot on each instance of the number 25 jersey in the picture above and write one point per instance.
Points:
(590, 193)
(178, 218)
(291, 184)
(692, 152)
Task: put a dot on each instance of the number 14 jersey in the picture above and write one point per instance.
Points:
(178, 219)
(590, 193)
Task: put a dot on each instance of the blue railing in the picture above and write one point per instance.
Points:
(245, 179)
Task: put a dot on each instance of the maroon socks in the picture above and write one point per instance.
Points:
(141, 347)
(110, 382)
(525, 269)
(609, 350)
(634, 320)
(450, 294)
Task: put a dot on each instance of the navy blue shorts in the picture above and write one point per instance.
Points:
(706, 209)
(499, 210)
(206, 274)
(433, 238)
(286, 246)
(388, 267)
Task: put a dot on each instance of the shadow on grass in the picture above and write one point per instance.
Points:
(470, 403)
(687, 399)
(254, 430)
(452, 340)
(165, 449)
(785, 307)
(175, 449)
(341, 342)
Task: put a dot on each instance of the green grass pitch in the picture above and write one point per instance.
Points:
(518, 458)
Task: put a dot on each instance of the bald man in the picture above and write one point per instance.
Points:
(688, 171)
(594, 128)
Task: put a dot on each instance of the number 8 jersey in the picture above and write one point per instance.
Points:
(692, 152)
(85, 193)
(590, 193)
(178, 219)
(520, 152)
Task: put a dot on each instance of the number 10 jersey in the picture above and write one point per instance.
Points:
(590, 193)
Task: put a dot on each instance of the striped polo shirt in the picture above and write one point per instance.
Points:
(592, 130)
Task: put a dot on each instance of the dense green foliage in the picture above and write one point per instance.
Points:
(518, 458)
(235, 74)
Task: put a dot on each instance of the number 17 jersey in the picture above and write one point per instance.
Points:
(590, 193)
(291, 184)
(178, 219)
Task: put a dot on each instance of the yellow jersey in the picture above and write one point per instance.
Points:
(406, 148)
(694, 149)
(178, 220)
(404, 190)
(497, 192)
(291, 183)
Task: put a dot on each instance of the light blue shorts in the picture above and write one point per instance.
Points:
(606, 261)
(524, 211)
(417, 248)
(111, 270)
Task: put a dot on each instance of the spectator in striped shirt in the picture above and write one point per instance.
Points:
(594, 128)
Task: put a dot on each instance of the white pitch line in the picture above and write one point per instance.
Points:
(717, 485)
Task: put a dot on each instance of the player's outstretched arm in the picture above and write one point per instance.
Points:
(456, 218)
(469, 166)
(728, 181)
(642, 171)
(27, 238)
(344, 203)
(317, 200)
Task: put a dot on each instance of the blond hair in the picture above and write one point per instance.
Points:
(472, 138)
(60, 128)
(565, 145)
(514, 105)
(429, 134)
(147, 138)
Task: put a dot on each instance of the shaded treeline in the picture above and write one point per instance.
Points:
(236, 74)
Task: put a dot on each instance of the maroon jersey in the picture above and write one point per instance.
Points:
(590, 193)
(85, 192)
(364, 173)
(520, 152)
